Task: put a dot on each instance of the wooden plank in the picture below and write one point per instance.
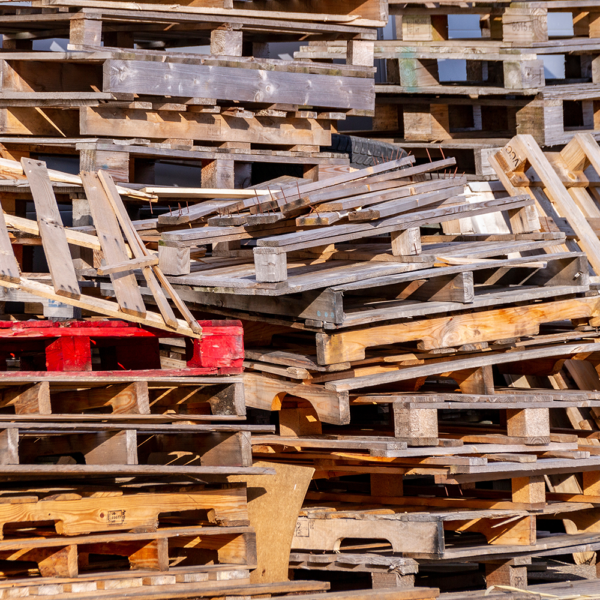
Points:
(303, 239)
(455, 365)
(15, 168)
(202, 193)
(134, 263)
(244, 85)
(282, 12)
(77, 238)
(111, 239)
(9, 267)
(137, 247)
(281, 199)
(119, 122)
(49, 470)
(56, 247)
(140, 251)
(445, 332)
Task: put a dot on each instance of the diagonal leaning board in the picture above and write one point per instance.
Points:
(111, 239)
(154, 276)
(54, 240)
(137, 248)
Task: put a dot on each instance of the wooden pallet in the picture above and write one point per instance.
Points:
(357, 15)
(109, 215)
(291, 588)
(386, 571)
(520, 23)
(554, 116)
(126, 582)
(554, 198)
(80, 510)
(341, 216)
(125, 444)
(65, 557)
(152, 583)
(135, 160)
(67, 347)
(146, 396)
(197, 82)
(415, 533)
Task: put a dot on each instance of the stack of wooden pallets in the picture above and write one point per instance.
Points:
(507, 90)
(413, 334)
(126, 95)
(105, 487)
(420, 348)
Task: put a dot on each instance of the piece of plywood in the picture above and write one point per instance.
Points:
(274, 503)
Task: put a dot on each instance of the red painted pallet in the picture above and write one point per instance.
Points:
(67, 346)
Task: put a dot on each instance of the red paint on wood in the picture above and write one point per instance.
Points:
(69, 354)
(122, 345)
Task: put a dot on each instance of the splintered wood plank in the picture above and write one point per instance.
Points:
(111, 239)
(154, 276)
(54, 240)
(9, 267)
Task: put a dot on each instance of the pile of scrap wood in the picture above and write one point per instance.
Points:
(414, 379)
(413, 343)
(125, 95)
(527, 68)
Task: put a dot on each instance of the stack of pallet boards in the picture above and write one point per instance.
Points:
(411, 339)
(114, 471)
(506, 89)
(131, 92)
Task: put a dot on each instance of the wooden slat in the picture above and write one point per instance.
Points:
(140, 251)
(134, 263)
(56, 247)
(77, 238)
(245, 85)
(9, 268)
(111, 239)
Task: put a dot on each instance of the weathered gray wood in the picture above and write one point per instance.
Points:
(174, 261)
(113, 246)
(9, 267)
(246, 85)
(151, 274)
(270, 266)
(56, 248)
